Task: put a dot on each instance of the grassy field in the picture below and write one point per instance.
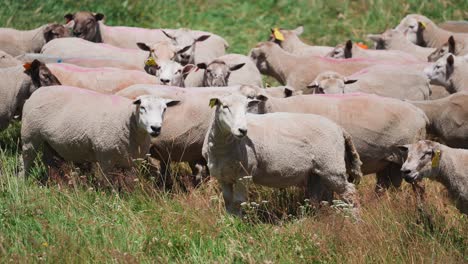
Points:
(80, 222)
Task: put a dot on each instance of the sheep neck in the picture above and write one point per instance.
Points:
(34, 39)
(293, 44)
(432, 111)
(459, 77)
(138, 139)
(451, 174)
(280, 64)
(223, 141)
(435, 36)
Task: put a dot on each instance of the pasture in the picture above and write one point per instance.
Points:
(82, 220)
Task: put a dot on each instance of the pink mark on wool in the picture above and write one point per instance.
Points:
(350, 60)
(74, 68)
(359, 73)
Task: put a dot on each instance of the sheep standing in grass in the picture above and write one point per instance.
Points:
(17, 42)
(18, 83)
(428, 159)
(84, 126)
(278, 150)
(231, 69)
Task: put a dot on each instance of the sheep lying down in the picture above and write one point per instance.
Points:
(84, 126)
(278, 150)
(428, 159)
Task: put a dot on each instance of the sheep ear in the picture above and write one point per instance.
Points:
(348, 51)
(202, 38)
(202, 66)
(375, 37)
(168, 35)
(137, 102)
(31, 67)
(69, 17)
(450, 60)
(187, 69)
(143, 46)
(184, 49)
(214, 102)
(261, 97)
(313, 85)
(350, 81)
(298, 31)
(98, 16)
(288, 92)
(236, 67)
(421, 25)
(451, 45)
(170, 102)
(403, 148)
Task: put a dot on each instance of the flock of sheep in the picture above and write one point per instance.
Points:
(90, 93)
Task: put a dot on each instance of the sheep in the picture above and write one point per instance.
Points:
(300, 71)
(110, 130)
(88, 54)
(17, 42)
(377, 124)
(396, 40)
(449, 166)
(238, 144)
(289, 40)
(103, 80)
(423, 32)
(453, 46)
(6, 60)
(18, 83)
(447, 119)
(89, 26)
(449, 71)
(173, 73)
(187, 122)
(353, 50)
(229, 70)
(455, 26)
(161, 50)
(401, 82)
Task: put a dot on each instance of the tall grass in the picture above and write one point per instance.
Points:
(70, 222)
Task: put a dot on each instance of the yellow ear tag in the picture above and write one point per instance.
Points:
(212, 102)
(436, 159)
(423, 25)
(150, 62)
(277, 34)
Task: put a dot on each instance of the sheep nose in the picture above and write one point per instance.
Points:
(156, 130)
(405, 171)
(243, 131)
(165, 81)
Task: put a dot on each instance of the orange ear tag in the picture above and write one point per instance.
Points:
(362, 45)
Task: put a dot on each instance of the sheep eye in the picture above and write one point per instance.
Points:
(179, 71)
(142, 108)
(225, 106)
(208, 71)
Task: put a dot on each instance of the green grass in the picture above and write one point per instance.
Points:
(82, 223)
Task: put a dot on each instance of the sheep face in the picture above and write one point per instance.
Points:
(231, 113)
(413, 29)
(40, 75)
(259, 56)
(185, 45)
(151, 110)
(422, 158)
(329, 83)
(217, 73)
(439, 73)
(172, 73)
(85, 25)
(55, 31)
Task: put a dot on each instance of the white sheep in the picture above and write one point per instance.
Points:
(239, 145)
(449, 166)
(110, 130)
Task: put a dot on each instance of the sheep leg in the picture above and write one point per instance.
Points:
(346, 190)
(228, 196)
(29, 156)
(388, 177)
(240, 196)
(317, 191)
